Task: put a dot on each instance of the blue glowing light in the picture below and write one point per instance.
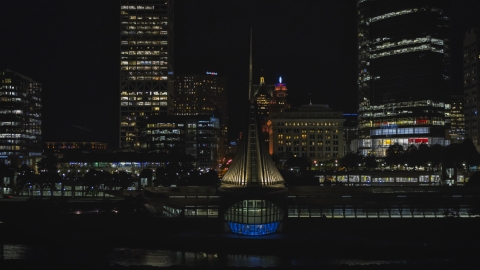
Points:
(253, 229)
(280, 79)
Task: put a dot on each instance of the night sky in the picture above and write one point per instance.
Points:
(72, 48)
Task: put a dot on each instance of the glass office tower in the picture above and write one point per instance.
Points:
(20, 119)
(403, 73)
(146, 64)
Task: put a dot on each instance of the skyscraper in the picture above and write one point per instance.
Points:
(279, 100)
(403, 73)
(20, 118)
(471, 59)
(202, 94)
(146, 64)
(263, 96)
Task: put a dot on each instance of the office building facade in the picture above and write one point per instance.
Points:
(198, 136)
(20, 119)
(146, 64)
(313, 131)
(456, 119)
(471, 59)
(205, 94)
(403, 73)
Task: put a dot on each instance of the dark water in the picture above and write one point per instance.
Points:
(129, 257)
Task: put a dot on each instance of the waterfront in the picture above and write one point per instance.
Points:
(46, 233)
(103, 258)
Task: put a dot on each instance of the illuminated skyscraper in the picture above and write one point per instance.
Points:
(146, 64)
(20, 118)
(202, 95)
(279, 101)
(403, 73)
(263, 96)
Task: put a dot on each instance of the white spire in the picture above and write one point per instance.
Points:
(251, 70)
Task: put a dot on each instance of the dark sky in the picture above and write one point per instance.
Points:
(72, 48)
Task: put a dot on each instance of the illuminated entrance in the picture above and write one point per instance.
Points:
(254, 217)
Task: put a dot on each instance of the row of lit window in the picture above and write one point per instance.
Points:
(142, 52)
(163, 125)
(307, 124)
(308, 149)
(395, 131)
(163, 138)
(128, 23)
(144, 32)
(400, 122)
(155, 93)
(164, 131)
(10, 123)
(144, 26)
(134, 17)
(408, 42)
(142, 73)
(391, 106)
(145, 78)
(138, 7)
(143, 42)
(144, 63)
(304, 136)
(144, 68)
(16, 136)
(141, 98)
(311, 143)
(141, 103)
(396, 13)
(406, 50)
(304, 131)
(401, 141)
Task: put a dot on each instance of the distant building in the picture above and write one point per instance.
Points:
(205, 94)
(312, 131)
(403, 73)
(146, 64)
(471, 88)
(279, 98)
(456, 119)
(263, 98)
(59, 149)
(270, 99)
(197, 136)
(20, 119)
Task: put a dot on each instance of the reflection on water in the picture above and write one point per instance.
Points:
(165, 258)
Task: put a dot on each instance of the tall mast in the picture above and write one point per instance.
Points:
(251, 70)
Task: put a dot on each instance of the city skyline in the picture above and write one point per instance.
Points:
(75, 56)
